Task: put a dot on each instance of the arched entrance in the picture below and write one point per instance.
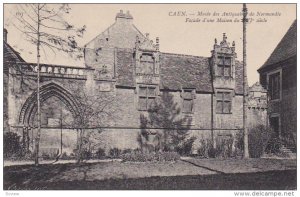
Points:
(58, 107)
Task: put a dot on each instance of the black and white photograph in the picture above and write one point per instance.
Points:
(150, 97)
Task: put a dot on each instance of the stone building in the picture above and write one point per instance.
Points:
(257, 106)
(279, 76)
(123, 61)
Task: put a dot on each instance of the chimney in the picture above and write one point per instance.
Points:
(123, 17)
(5, 35)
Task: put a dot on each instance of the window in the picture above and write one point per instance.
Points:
(224, 66)
(187, 106)
(146, 97)
(147, 65)
(224, 102)
(274, 86)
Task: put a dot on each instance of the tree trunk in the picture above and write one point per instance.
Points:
(37, 140)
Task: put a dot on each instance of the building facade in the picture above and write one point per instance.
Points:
(279, 76)
(208, 91)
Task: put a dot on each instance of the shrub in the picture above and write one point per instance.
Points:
(115, 153)
(12, 145)
(100, 154)
(150, 157)
(206, 149)
(125, 151)
(185, 148)
(224, 147)
(258, 140)
(273, 145)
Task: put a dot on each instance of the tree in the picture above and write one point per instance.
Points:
(95, 111)
(164, 120)
(45, 26)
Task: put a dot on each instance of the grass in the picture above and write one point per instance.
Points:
(167, 175)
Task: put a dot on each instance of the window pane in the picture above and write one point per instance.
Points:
(150, 103)
(187, 106)
(187, 95)
(219, 107)
(227, 96)
(142, 103)
(227, 71)
(227, 61)
(151, 91)
(227, 107)
(143, 91)
(274, 86)
(147, 67)
(220, 60)
(220, 70)
(219, 95)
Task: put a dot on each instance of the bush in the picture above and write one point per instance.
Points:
(100, 154)
(258, 140)
(151, 157)
(206, 149)
(273, 145)
(12, 145)
(115, 153)
(224, 147)
(185, 148)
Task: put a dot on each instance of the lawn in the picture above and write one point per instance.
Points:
(168, 175)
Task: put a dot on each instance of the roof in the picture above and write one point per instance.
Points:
(10, 55)
(257, 87)
(176, 71)
(286, 48)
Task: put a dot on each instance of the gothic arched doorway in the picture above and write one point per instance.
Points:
(58, 107)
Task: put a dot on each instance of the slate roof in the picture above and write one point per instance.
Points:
(9, 54)
(176, 71)
(286, 48)
(183, 71)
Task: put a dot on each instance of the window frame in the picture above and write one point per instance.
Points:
(224, 100)
(146, 96)
(269, 75)
(185, 90)
(222, 66)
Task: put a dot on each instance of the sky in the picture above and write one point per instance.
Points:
(176, 35)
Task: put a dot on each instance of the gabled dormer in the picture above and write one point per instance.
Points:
(146, 56)
(223, 64)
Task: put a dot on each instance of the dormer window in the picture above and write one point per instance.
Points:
(146, 64)
(224, 66)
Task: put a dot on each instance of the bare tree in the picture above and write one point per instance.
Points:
(96, 110)
(45, 26)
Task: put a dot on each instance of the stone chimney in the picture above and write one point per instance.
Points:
(123, 17)
(5, 35)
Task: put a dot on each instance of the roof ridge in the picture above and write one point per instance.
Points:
(183, 55)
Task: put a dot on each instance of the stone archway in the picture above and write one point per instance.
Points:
(29, 108)
(27, 117)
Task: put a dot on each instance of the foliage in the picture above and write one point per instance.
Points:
(115, 153)
(94, 110)
(138, 156)
(259, 137)
(185, 146)
(12, 145)
(100, 153)
(173, 128)
(224, 147)
(273, 145)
